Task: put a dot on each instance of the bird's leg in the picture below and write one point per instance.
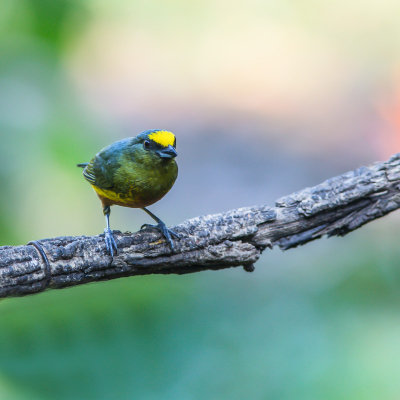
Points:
(108, 235)
(162, 227)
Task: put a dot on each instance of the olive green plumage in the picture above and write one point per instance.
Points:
(134, 172)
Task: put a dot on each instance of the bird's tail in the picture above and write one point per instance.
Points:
(82, 165)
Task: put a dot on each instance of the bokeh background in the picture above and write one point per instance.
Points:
(266, 97)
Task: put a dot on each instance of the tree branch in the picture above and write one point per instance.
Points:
(235, 238)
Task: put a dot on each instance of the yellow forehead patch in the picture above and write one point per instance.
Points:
(164, 138)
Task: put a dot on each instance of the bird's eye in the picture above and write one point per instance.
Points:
(146, 144)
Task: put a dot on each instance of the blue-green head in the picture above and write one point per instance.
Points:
(158, 143)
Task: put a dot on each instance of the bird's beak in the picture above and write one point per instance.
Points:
(169, 152)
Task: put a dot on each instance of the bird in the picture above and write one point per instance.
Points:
(134, 172)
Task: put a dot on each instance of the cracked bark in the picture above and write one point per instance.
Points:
(235, 238)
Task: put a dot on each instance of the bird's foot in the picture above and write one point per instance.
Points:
(165, 231)
(110, 242)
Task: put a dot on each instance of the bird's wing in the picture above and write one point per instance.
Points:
(104, 166)
(99, 173)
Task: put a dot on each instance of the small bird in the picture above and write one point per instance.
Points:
(134, 172)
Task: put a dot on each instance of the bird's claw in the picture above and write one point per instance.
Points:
(148, 226)
(165, 231)
(110, 242)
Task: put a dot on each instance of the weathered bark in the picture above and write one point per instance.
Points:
(235, 238)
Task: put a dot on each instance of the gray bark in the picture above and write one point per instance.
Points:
(235, 238)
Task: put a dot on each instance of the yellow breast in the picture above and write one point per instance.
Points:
(110, 195)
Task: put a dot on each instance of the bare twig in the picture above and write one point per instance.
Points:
(235, 238)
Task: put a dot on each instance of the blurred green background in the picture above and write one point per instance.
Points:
(266, 98)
